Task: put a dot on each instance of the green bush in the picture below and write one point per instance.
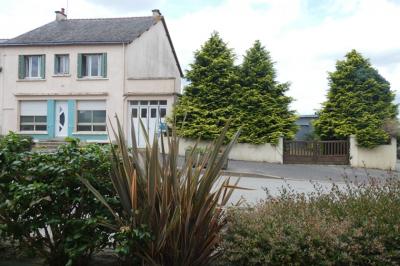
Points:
(356, 226)
(46, 209)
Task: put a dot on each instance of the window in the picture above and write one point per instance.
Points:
(153, 102)
(91, 116)
(31, 67)
(92, 65)
(61, 64)
(33, 116)
(163, 112)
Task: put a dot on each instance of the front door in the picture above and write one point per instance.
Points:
(152, 114)
(61, 123)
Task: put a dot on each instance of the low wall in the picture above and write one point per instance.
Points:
(246, 152)
(382, 157)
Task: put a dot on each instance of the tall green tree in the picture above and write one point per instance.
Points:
(262, 107)
(207, 100)
(359, 102)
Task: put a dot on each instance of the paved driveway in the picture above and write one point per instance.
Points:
(335, 173)
(258, 185)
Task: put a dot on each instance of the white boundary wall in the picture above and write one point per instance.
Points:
(245, 152)
(381, 157)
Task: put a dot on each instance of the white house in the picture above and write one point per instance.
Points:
(67, 77)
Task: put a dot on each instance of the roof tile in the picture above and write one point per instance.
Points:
(86, 31)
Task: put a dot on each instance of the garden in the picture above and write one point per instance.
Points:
(111, 205)
(92, 204)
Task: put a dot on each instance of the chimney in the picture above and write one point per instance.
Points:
(156, 12)
(60, 15)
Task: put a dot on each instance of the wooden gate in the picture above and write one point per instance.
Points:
(316, 152)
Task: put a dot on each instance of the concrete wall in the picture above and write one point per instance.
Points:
(381, 157)
(247, 152)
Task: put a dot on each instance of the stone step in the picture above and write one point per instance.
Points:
(48, 145)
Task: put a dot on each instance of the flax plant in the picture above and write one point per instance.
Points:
(181, 207)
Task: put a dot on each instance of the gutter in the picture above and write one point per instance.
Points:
(61, 43)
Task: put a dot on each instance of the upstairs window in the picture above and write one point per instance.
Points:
(92, 65)
(61, 64)
(31, 67)
(91, 116)
(33, 116)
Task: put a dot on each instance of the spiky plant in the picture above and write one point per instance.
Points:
(181, 207)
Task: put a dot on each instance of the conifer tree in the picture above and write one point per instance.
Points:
(207, 99)
(262, 107)
(359, 102)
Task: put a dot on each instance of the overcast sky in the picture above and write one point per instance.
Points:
(305, 37)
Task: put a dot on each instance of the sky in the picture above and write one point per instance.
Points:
(304, 37)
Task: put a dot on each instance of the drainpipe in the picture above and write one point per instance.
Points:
(2, 92)
(125, 103)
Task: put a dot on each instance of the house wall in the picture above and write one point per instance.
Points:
(305, 127)
(151, 63)
(1, 89)
(246, 152)
(143, 70)
(68, 87)
(381, 157)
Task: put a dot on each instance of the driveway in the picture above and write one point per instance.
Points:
(335, 173)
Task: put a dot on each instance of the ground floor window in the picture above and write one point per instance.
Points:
(33, 116)
(161, 108)
(91, 116)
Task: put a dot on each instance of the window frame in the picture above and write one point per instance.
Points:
(65, 64)
(91, 123)
(28, 66)
(34, 121)
(87, 70)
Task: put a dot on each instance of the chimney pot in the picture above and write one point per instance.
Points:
(156, 12)
(60, 15)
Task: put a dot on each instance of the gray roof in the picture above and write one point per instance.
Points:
(85, 31)
(3, 40)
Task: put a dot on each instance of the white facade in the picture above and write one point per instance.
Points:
(143, 70)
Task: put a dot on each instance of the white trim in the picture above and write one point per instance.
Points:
(32, 132)
(76, 94)
(86, 78)
(27, 79)
(89, 133)
(61, 75)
